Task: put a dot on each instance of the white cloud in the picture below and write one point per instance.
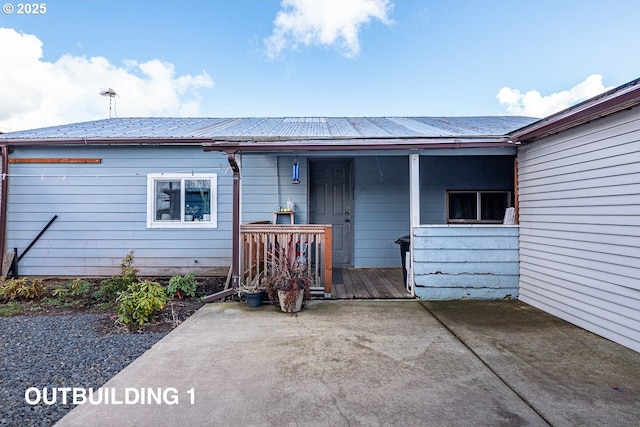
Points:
(335, 23)
(534, 104)
(36, 93)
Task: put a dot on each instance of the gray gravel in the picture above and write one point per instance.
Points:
(58, 351)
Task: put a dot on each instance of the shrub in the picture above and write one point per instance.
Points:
(72, 293)
(22, 289)
(139, 301)
(182, 286)
(110, 288)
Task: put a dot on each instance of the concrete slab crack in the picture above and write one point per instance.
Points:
(488, 366)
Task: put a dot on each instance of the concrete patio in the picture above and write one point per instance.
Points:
(376, 363)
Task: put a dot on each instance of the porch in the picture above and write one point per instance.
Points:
(368, 283)
(311, 246)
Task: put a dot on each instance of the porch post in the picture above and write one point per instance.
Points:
(414, 188)
(414, 208)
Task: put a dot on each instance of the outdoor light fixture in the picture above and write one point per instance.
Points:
(296, 172)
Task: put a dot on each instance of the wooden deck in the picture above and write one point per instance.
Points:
(368, 283)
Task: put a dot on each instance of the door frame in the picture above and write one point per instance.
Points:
(350, 175)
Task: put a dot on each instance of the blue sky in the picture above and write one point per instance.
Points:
(245, 58)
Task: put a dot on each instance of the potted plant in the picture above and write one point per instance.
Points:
(189, 212)
(288, 282)
(253, 292)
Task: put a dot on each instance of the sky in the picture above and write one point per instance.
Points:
(335, 58)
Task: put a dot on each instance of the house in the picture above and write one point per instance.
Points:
(120, 184)
(179, 191)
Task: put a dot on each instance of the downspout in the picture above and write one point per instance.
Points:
(235, 229)
(3, 202)
(235, 234)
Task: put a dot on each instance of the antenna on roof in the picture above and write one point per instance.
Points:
(112, 96)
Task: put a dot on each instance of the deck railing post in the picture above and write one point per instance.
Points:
(327, 260)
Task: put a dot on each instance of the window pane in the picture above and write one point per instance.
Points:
(198, 199)
(463, 206)
(493, 206)
(167, 195)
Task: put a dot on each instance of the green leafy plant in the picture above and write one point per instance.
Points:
(11, 308)
(182, 286)
(72, 293)
(22, 289)
(139, 301)
(110, 288)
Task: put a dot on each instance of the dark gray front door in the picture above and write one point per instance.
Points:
(330, 202)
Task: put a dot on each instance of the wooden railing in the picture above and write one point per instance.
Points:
(310, 245)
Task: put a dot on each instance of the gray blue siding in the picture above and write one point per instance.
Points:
(460, 262)
(265, 191)
(580, 226)
(476, 172)
(381, 209)
(101, 212)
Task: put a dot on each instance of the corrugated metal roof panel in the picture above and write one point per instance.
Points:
(277, 128)
(341, 126)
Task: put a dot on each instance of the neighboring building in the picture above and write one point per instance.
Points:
(579, 206)
(166, 188)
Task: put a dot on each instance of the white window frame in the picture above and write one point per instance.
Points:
(152, 222)
(478, 219)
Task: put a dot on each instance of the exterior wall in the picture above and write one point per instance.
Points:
(580, 226)
(101, 212)
(381, 209)
(465, 262)
(264, 191)
(475, 172)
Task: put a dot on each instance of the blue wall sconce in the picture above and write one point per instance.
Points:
(296, 172)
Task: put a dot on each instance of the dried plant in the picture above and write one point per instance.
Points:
(288, 275)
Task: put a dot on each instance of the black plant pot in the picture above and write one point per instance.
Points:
(254, 299)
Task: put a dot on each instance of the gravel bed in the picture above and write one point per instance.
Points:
(58, 351)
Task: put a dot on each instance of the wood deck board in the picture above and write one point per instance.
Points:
(369, 283)
(391, 279)
(368, 279)
(374, 279)
(338, 291)
(354, 285)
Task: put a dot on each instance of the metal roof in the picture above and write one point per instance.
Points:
(213, 130)
(620, 98)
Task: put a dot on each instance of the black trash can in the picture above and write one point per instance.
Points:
(405, 243)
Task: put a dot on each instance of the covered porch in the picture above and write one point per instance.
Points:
(370, 191)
